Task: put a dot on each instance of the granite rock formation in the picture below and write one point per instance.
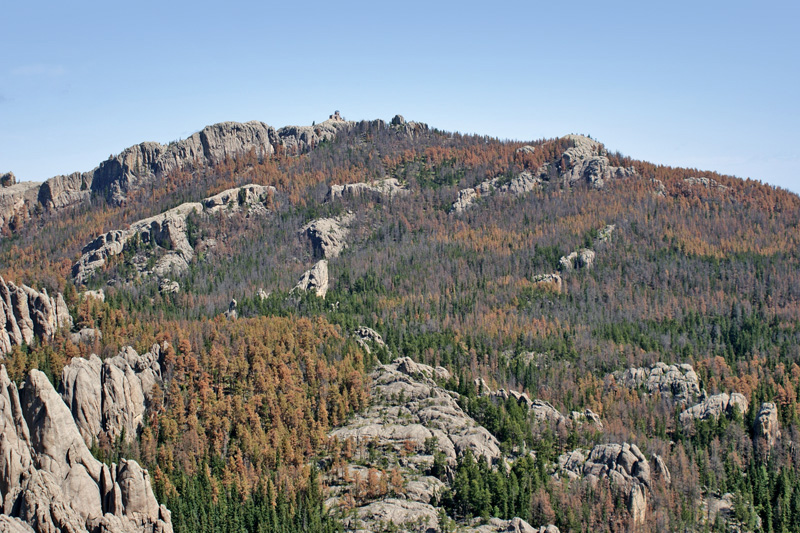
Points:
(26, 314)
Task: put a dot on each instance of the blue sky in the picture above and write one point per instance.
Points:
(704, 84)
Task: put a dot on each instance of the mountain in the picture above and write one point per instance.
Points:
(382, 326)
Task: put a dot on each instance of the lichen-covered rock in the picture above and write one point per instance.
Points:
(26, 313)
(767, 426)
(168, 286)
(327, 235)
(407, 515)
(715, 406)
(679, 381)
(167, 231)
(583, 258)
(315, 279)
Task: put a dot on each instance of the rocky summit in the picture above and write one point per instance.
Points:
(381, 326)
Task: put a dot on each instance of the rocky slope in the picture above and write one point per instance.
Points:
(49, 479)
(410, 418)
(26, 314)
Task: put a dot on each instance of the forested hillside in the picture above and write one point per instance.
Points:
(536, 288)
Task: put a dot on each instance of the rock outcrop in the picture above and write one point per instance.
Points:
(388, 187)
(166, 231)
(586, 161)
(708, 183)
(541, 410)
(523, 182)
(624, 464)
(551, 281)
(14, 202)
(583, 258)
(108, 398)
(314, 279)
(679, 381)
(767, 426)
(327, 235)
(364, 336)
(7, 179)
(715, 406)
(48, 478)
(26, 313)
(408, 406)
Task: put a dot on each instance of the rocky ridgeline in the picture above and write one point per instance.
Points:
(626, 467)
(167, 231)
(49, 480)
(388, 187)
(139, 165)
(27, 314)
(108, 398)
(679, 381)
(327, 235)
(586, 161)
(315, 279)
(541, 410)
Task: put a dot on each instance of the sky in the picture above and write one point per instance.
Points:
(704, 84)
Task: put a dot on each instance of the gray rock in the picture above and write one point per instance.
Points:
(624, 464)
(327, 235)
(678, 381)
(526, 150)
(49, 479)
(715, 406)
(365, 335)
(406, 515)
(407, 405)
(553, 281)
(15, 202)
(583, 258)
(232, 313)
(167, 231)
(708, 183)
(587, 417)
(315, 279)
(108, 398)
(767, 426)
(387, 187)
(168, 286)
(99, 294)
(585, 161)
(26, 313)
(521, 183)
(660, 469)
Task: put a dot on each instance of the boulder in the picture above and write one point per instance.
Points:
(168, 286)
(315, 279)
(521, 183)
(708, 183)
(365, 335)
(550, 281)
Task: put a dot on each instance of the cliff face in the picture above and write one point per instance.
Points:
(49, 479)
(26, 313)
